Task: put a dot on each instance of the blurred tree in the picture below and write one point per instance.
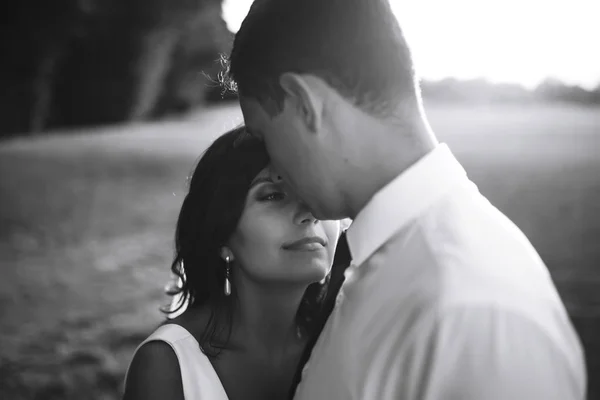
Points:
(596, 95)
(134, 54)
(481, 91)
(34, 37)
(192, 80)
(556, 91)
(86, 62)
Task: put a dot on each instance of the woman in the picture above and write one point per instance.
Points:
(251, 260)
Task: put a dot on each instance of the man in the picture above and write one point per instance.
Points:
(446, 299)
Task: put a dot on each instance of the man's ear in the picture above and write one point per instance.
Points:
(303, 96)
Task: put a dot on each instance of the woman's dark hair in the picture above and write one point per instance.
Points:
(209, 215)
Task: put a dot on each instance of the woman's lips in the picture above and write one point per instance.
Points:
(312, 243)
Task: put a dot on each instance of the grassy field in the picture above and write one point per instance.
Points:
(87, 219)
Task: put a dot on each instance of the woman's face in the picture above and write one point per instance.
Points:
(277, 239)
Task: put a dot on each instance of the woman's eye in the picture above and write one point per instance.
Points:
(273, 196)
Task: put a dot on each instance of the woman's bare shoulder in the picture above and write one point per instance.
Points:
(154, 373)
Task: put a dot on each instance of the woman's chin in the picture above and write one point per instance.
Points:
(312, 272)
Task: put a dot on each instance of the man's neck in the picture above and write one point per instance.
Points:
(388, 152)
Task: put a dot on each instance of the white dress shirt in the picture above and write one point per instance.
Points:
(446, 299)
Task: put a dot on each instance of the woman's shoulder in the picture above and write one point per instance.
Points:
(170, 361)
(175, 339)
(171, 332)
(154, 373)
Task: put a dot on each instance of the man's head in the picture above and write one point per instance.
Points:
(309, 74)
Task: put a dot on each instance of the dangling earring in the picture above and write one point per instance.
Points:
(227, 271)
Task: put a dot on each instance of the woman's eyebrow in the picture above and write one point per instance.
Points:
(261, 179)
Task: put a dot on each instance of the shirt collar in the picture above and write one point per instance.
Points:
(402, 200)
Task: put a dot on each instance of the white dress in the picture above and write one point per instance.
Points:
(199, 378)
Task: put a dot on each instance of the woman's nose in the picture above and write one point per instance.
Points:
(303, 214)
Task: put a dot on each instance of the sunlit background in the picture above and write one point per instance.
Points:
(106, 105)
(512, 41)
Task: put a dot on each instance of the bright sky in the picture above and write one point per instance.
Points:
(522, 41)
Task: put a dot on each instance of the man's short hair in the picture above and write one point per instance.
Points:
(356, 46)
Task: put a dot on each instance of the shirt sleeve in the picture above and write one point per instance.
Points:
(488, 354)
